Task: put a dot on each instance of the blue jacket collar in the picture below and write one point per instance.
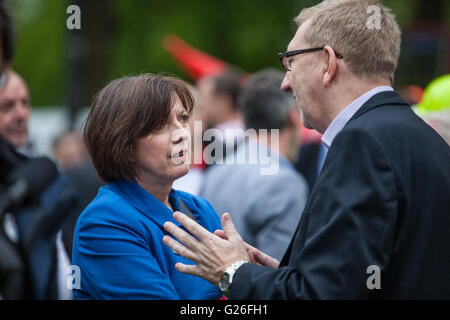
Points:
(146, 203)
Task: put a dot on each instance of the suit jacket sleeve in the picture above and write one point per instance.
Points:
(347, 226)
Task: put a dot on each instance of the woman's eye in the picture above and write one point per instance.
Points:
(184, 118)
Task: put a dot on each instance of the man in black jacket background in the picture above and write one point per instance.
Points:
(377, 222)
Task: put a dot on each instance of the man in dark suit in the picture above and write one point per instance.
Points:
(377, 221)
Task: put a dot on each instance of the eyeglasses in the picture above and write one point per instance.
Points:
(287, 62)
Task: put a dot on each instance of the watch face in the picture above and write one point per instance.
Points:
(224, 281)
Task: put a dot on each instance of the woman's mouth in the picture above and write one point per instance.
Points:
(178, 156)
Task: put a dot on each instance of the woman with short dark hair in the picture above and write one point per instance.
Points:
(138, 137)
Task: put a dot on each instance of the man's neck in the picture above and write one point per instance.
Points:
(344, 97)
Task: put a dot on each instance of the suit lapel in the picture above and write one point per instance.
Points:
(378, 100)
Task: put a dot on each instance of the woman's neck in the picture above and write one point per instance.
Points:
(159, 191)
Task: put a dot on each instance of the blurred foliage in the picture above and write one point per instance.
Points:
(125, 37)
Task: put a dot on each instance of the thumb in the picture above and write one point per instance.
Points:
(229, 228)
(221, 234)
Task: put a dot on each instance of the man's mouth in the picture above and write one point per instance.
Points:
(18, 131)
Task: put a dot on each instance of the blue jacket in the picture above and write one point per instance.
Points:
(119, 250)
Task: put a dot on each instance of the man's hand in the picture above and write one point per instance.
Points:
(213, 252)
(256, 256)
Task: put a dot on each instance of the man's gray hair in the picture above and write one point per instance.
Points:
(370, 49)
(262, 103)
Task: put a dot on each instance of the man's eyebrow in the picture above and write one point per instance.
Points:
(6, 101)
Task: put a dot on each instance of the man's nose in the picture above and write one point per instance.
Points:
(286, 85)
(21, 110)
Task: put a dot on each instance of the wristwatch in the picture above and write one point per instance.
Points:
(227, 277)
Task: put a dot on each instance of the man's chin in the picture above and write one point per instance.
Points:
(307, 125)
(18, 141)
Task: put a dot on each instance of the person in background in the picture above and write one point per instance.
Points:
(46, 257)
(71, 155)
(219, 99)
(439, 121)
(265, 207)
(138, 136)
(69, 151)
(434, 107)
(15, 110)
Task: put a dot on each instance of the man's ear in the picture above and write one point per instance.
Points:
(331, 69)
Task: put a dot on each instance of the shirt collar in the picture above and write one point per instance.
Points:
(347, 113)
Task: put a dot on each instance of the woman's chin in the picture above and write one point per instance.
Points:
(181, 170)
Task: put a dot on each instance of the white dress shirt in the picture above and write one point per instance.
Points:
(347, 113)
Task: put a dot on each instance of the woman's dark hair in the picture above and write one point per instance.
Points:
(125, 110)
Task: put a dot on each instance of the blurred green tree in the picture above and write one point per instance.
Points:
(125, 37)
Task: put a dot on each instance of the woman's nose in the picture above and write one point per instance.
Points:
(180, 135)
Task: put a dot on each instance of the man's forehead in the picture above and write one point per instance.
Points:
(15, 86)
(298, 41)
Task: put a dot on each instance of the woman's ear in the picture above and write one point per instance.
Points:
(331, 69)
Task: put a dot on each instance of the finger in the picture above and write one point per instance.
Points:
(229, 228)
(266, 260)
(196, 271)
(221, 234)
(182, 236)
(192, 226)
(188, 269)
(178, 248)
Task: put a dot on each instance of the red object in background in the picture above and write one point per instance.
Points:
(309, 135)
(195, 63)
(198, 64)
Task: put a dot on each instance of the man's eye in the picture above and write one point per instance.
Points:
(6, 107)
(290, 60)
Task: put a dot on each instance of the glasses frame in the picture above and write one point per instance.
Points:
(288, 54)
